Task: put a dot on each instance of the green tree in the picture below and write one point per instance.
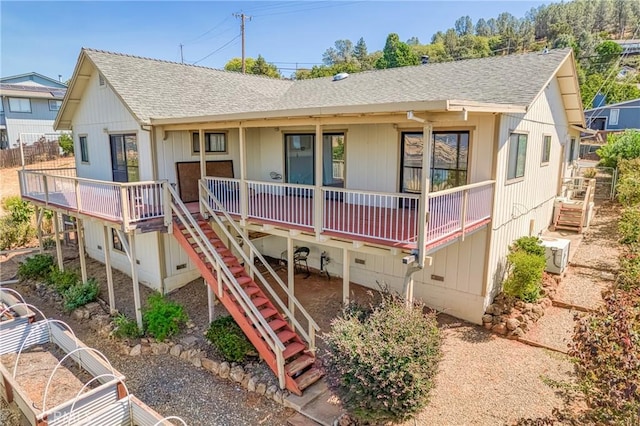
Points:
(66, 144)
(396, 54)
(624, 146)
(258, 66)
(343, 51)
(482, 29)
(464, 26)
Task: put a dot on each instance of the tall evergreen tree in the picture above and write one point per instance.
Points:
(482, 29)
(396, 54)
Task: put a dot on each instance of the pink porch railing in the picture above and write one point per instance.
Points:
(290, 204)
(227, 191)
(119, 202)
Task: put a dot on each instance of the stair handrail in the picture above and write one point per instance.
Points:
(215, 259)
(313, 326)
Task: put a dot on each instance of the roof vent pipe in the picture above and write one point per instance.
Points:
(340, 76)
(424, 59)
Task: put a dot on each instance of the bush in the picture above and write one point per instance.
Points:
(227, 336)
(62, 280)
(525, 277)
(530, 245)
(629, 274)
(125, 327)
(66, 144)
(629, 226)
(20, 211)
(628, 189)
(14, 234)
(382, 364)
(35, 267)
(162, 318)
(606, 351)
(618, 147)
(590, 173)
(80, 294)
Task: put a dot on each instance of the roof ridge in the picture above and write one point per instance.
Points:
(166, 61)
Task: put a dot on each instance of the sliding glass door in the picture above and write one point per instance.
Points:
(300, 159)
(124, 158)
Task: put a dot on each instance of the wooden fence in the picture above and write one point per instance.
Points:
(33, 154)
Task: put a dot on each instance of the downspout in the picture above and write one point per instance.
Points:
(407, 285)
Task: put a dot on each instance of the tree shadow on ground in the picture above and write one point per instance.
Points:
(465, 331)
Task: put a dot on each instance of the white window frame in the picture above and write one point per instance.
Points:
(57, 104)
(546, 150)
(512, 160)
(1, 104)
(83, 160)
(208, 143)
(20, 102)
(614, 116)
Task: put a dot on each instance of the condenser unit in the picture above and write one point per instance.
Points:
(556, 253)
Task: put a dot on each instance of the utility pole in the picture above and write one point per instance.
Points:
(242, 17)
(181, 55)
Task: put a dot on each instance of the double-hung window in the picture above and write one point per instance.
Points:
(213, 143)
(19, 104)
(517, 155)
(546, 149)
(84, 149)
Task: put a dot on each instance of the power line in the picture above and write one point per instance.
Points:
(336, 4)
(218, 49)
(218, 25)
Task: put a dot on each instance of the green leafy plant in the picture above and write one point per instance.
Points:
(621, 146)
(61, 281)
(35, 267)
(163, 318)
(227, 337)
(66, 144)
(381, 362)
(125, 327)
(21, 211)
(530, 245)
(629, 226)
(629, 274)
(80, 294)
(525, 277)
(14, 234)
(590, 173)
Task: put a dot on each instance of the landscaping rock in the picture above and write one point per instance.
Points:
(136, 350)
(487, 318)
(251, 384)
(225, 369)
(499, 328)
(78, 314)
(237, 373)
(176, 350)
(512, 324)
(261, 388)
(277, 396)
(270, 391)
(188, 341)
(197, 362)
(210, 365)
(159, 348)
(488, 325)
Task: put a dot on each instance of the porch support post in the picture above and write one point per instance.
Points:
(345, 276)
(203, 167)
(244, 200)
(210, 301)
(39, 214)
(290, 276)
(318, 197)
(134, 278)
(83, 259)
(425, 183)
(56, 232)
(107, 264)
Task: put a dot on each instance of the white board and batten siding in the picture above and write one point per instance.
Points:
(520, 201)
(100, 114)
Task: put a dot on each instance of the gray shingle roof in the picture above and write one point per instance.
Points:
(160, 89)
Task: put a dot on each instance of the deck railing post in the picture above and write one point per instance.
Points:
(244, 192)
(425, 183)
(46, 189)
(166, 206)
(76, 184)
(124, 202)
(317, 192)
(463, 212)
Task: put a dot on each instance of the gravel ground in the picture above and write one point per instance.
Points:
(489, 380)
(583, 286)
(554, 329)
(601, 240)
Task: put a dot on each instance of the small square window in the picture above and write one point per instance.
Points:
(19, 104)
(517, 155)
(213, 143)
(84, 149)
(54, 105)
(546, 149)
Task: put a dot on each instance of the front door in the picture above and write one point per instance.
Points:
(124, 158)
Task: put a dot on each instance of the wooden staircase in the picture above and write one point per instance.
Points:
(570, 218)
(277, 337)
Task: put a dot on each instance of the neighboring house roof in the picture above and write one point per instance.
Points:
(161, 91)
(27, 78)
(31, 91)
(608, 106)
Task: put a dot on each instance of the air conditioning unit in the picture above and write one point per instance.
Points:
(556, 253)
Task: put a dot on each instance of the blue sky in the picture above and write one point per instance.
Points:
(46, 37)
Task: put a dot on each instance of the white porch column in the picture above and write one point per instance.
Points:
(243, 175)
(134, 278)
(290, 275)
(56, 232)
(317, 197)
(83, 259)
(107, 263)
(425, 183)
(345, 276)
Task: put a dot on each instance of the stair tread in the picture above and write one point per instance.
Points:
(299, 364)
(259, 301)
(268, 312)
(277, 324)
(244, 280)
(293, 348)
(236, 269)
(308, 378)
(286, 335)
(251, 290)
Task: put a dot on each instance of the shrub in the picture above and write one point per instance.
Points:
(162, 318)
(590, 173)
(125, 327)
(20, 211)
(14, 234)
(628, 189)
(227, 336)
(606, 351)
(629, 167)
(62, 280)
(382, 364)
(629, 225)
(620, 146)
(66, 144)
(525, 277)
(80, 294)
(629, 274)
(35, 267)
(529, 245)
